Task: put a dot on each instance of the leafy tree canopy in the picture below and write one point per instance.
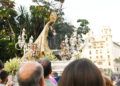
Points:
(83, 26)
(117, 60)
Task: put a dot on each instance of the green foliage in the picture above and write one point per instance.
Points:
(83, 27)
(77, 55)
(24, 21)
(12, 65)
(51, 57)
(108, 71)
(60, 1)
(11, 49)
(7, 18)
(62, 29)
(117, 60)
(39, 17)
(7, 49)
(3, 49)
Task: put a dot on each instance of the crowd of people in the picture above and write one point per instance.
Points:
(80, 72)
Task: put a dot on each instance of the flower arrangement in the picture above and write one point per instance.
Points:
(76, 55)
(12, 65)
(51, 56)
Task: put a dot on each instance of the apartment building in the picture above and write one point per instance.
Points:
(102, 50)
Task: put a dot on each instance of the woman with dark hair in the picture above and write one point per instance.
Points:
(81, 72)
(49, 80)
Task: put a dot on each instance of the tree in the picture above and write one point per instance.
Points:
(62, 29)
(117, 60)
(7, 18)
(83, 27)
(8, 28)
(39, 16)
(24, 21)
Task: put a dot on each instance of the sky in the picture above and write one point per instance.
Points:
(99, 13)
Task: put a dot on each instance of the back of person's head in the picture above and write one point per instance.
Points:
(55, 74)
(1, 65)
(3, 76)
(81, 72)
(108, 82)
(46, 66)
(30, 74)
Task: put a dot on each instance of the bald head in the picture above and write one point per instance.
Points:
(30, 74)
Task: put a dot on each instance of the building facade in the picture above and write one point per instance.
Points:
(102, 50)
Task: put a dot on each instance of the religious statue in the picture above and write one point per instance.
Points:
(42, 41)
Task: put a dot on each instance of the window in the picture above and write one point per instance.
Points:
(100, 51)
(94, 44)
(106, 39)
(89, 40)
(117, 68)
(96, 51)
(97, 57)
(100, 63)
(89, 46)
(89, 52)
(108, 56)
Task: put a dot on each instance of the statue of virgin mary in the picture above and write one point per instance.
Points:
(42, 41)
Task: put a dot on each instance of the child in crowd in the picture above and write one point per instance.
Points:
(49, 80)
